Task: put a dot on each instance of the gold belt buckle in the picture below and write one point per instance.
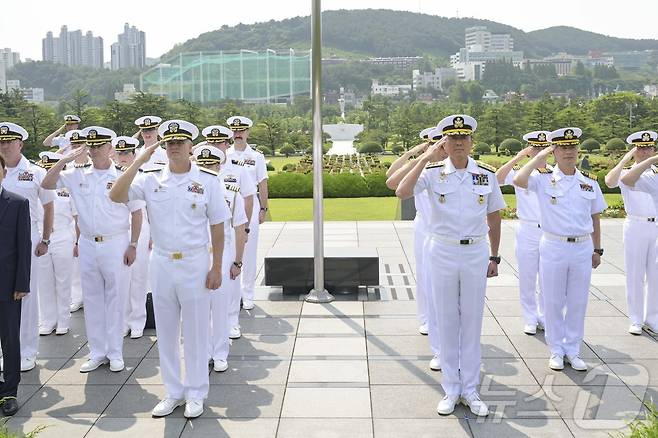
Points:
(177, 255)
(98, 238)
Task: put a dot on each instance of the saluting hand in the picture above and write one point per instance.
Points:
(147, 153)
(71, 156)
(628, 156)
(525, 152)
(546, 152)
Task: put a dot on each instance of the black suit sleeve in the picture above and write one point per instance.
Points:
(24, 248)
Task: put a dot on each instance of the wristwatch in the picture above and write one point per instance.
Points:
(246, 230)
(495, 259)
(599, 251)
(133, 244)
(237, 265)
(45, 242)
(263, 209)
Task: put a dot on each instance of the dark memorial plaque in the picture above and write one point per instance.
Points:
(345, 269)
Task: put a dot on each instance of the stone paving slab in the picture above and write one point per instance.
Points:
(358, 367)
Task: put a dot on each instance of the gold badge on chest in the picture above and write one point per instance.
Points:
(481, 199)
(442, 198)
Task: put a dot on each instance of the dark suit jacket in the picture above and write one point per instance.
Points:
(15, 245)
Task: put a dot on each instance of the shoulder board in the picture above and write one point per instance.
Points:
(517, 167)
(232, 187)
(155, 169)
(589, 175)
(211, 172)
(80, 166)
(121, 168)
(655, 169)
(39, 163)
(544, 170)
(486, 166)
(434, 164)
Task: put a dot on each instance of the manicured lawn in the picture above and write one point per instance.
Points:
(359, 209)
(335, 209)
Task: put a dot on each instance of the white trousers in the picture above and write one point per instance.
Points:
(179, 291)
(458, 280)
(641, 271)
(76, 286)
(565, 269)
(136, 297)
(528, 236)
(104, 279)
(249, 270)
(30, 305)
(426, 312)
(55, 277)
(224, 301)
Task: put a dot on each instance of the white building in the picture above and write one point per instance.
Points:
(434, 80)
(30, 94)
(651, 90)
(128, 91)
(389, 90)
(130, 49)
(73, 48)
(479, 39)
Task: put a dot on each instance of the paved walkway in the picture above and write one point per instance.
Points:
(359, 368)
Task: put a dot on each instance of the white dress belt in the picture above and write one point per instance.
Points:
(570, 239)
(455, 241)
(640, 218)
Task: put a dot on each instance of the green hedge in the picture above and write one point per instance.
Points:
(343, 185)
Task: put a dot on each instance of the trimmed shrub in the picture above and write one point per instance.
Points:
(482, 148)
(370, 147)
(615, 144)
(590, 145)
(325, 148)
(287, 150)
(288, 167)
(345, 185)
(270, 167)
(290, 185)
(264, 150)
(376, 183)
(511, 145)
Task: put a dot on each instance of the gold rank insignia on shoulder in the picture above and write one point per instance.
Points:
(121, 168)
(195, 188)
(434, 164)
(480, 179)
(589, 175)
(211, 172)
(517, 167)
(486, 166)
(544, 170)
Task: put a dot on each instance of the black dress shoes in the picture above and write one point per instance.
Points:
(10, 407)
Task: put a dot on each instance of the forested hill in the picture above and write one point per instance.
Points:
(379, 32)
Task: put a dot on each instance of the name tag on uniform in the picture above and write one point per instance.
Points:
(195, 188)
(586, 187)
(230, 179)
(25, 176)
(480, 179)
(250, 162)
(63, 193)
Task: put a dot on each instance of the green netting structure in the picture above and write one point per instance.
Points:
(247, 75)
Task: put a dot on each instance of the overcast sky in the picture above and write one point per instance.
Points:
(23, 23)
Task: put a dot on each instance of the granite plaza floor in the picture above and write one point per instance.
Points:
(359, 368)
